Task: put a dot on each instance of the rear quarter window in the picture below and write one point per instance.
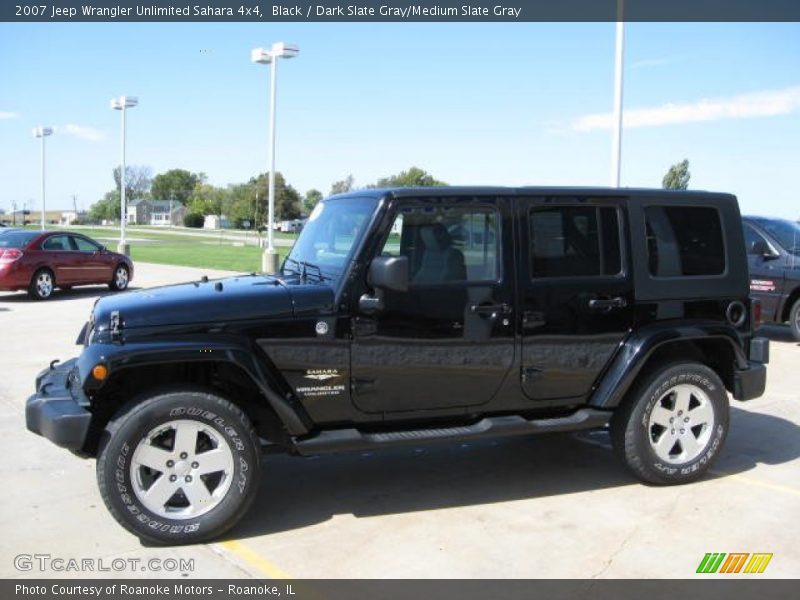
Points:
(684, 241)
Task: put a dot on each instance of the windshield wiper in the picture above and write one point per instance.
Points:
(305, 265)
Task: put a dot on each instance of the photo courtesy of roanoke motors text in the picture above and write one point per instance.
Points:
(346, 300)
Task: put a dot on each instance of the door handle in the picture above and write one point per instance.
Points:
(606, 304)
(491, 311)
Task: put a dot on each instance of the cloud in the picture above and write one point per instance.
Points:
(769, 103)
(8, 115)
(90, 134)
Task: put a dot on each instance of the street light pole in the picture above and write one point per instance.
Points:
(619, 62)
(122, 104)
(269, 261)
(42, 132)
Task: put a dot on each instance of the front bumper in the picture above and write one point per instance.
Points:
(56, 411)
(751, 382)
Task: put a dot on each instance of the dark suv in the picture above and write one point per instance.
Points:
(773, 254)
(408, 316)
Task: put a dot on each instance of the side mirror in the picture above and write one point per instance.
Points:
(385, 273)
(761, 248)
(389, 272)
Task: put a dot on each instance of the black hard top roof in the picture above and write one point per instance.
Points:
(416, 192)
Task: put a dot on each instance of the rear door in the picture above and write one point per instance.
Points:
(448, 341)
(60, 257)
(576, 292)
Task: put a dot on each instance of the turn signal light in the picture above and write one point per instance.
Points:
(100, 372)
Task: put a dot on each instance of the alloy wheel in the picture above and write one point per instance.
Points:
(681, 424)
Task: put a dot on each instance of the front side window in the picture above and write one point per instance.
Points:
(84, 245)
(446, 243)
(329, 238)
(574, 241)
(684, 241)
(786, 232)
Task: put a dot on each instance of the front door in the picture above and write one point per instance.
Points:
(576, 293)
(448, 341)
(766, 272)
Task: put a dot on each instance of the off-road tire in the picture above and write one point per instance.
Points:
(632, 427)
(122, 436)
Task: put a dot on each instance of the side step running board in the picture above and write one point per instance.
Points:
(344, 440)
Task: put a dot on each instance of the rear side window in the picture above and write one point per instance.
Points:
(574, 241)
(17, 239)
(684, 241)
(57, 242)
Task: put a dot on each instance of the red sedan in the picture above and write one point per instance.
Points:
(40, 261)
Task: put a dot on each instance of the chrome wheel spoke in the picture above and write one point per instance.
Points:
(661, 416)
(214, 461)
(664, 444)
(683, 395)
(160, 492)
(152, 457)
(690, 446)
(197, 494)
(185, 438)
(701, 415)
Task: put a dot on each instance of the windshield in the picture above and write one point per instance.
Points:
(17, 239)
(329, 238)
(786, 232)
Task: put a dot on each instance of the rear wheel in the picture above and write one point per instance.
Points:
(120, 280)
(42, 284)
(672, 426)
(179, 467)
(794, 320)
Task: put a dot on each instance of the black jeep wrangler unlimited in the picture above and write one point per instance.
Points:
(414, 315)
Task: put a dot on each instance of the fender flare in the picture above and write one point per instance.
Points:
(633, 354)
(251, 360)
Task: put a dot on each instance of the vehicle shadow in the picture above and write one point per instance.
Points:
(776, 333)
(61, 295)
(298, 492)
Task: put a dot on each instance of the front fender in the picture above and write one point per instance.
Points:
(122, 357)
(640, 345)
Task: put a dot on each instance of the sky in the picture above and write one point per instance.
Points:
(495, 104)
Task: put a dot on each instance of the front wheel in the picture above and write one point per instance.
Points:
(179, 467)
(794, 320)
(673, 424)
(120, 280)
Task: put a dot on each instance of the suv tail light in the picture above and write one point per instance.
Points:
(756, 313)
(9, 255)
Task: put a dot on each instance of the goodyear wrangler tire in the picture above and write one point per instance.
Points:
(179, 467)
(672, 426)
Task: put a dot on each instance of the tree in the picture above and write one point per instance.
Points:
(340, 187)
(137, 182)
(678, 176)
(311, 199)
(175, 184)
(107, 208)
(287, 199)
(414, 177)
(207, 199)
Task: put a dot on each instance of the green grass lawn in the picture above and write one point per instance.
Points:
(245, 259)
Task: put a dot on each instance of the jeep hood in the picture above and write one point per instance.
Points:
(241, 298)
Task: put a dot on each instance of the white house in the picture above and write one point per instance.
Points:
(216, 222)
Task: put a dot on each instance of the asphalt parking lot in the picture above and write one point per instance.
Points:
(549, 506)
